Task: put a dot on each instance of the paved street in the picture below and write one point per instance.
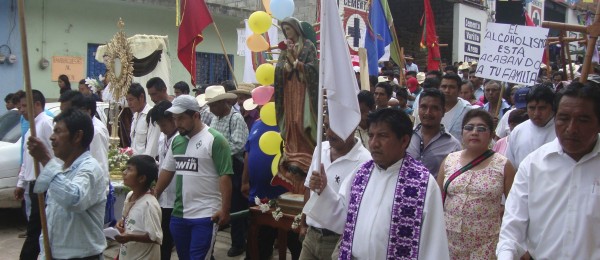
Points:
(12, 224)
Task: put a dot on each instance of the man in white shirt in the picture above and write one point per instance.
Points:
(536, 131)
(553, 209)
(168, 129)
(339, 158)
(366, 103)
(455, 107)
(400, 214)
(144, 135)
(26, 178)
(410, 66)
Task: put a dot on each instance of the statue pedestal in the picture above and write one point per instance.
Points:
(257, 219)
(291, 203)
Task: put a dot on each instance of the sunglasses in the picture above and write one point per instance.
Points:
(479, 128)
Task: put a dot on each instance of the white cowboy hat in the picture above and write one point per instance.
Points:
(217, 93)
(201, 99)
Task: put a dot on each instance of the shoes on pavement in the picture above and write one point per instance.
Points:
(234, 251)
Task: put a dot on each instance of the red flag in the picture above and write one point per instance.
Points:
(529, 22)
(195, 17)
(429, 39)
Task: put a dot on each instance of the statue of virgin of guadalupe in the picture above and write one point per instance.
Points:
(296, 87)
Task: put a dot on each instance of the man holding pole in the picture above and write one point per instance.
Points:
(26, 179)
(75, 187)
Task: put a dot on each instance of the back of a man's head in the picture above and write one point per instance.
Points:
(434, 73)
(136, 90)
(431, 83)
(156, 83)
(76, 120)
(366, 97)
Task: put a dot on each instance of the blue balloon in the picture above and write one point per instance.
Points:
(282, 9)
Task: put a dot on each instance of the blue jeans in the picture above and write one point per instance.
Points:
(194, 238)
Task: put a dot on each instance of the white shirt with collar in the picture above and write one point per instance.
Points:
(527, 137)
(144, 136)
(453, 118)
(167, 199)
(337, 171)
(373, 222)
(553, 209)
(44, 127)
(99, 145)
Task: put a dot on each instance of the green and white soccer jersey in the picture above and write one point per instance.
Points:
(198, 163)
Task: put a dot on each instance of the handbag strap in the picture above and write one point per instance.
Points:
(468, 166)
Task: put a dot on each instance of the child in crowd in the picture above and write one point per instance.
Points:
(514, 119)
(141, 234)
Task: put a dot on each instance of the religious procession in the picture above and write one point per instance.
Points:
(294, 129)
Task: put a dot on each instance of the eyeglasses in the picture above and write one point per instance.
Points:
(479, 128)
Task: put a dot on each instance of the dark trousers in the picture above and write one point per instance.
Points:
(239, 227)
(266, 238)
(167, 242)
(31, 246)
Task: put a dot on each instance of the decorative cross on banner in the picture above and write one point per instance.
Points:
(354, 31)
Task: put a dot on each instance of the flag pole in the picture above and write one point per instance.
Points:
(30, 115)
(225, 52)
(320, 103)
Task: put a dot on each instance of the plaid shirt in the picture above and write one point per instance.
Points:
(234, 129)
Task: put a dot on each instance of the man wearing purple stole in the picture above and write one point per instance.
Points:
(391, 207)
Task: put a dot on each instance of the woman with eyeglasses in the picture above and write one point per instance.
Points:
(473, 182)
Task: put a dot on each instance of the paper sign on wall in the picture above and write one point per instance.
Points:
(72, 66)
(512, 53)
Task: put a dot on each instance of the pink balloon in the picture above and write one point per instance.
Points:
(262, 95)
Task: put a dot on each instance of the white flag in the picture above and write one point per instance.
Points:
(336, 73)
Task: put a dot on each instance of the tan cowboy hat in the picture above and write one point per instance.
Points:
(464, 66)
(407, 57)
(382, 79)
(473, 63)
(421, 77)
(217, 93)
(243, 88)
(201, 99)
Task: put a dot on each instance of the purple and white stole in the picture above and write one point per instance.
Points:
(407, 210)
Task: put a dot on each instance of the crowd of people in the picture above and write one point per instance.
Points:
(515, 164)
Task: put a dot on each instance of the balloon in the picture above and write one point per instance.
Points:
(275, 164)
(259, 22)
(282, 9)
(262, 94)
(267, 5)
(267, 114)
(257, 43)
(265, 74)
(270, 143)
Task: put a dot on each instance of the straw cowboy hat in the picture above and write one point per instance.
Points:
(464, 66)
(217, 93)
(243, 88)
(408, 57)
(421, 77)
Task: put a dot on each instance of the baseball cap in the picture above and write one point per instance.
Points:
(183, 103)
(521, 97)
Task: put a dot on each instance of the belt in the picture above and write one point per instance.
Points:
(93, 257)
(324, 232)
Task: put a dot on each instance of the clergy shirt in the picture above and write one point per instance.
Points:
(371, 233)
(337, 171)
(99, 145)
(44, 128)
(167, 199)
(75, 201)
(144, 135)
(432, 154)
(527, 137)
(453, 118)
(553, 209)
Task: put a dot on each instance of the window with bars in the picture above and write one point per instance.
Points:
(211, 68)
(94, 68)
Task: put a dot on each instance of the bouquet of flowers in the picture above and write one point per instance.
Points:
(265, 205)
(117, 159)
(95, 84)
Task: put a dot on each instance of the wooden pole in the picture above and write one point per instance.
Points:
(499, 105)
(402, 67)
(31, 116)
(591, 46)
(225, 52)
(563, 54)
(547, 52)
(568, 54)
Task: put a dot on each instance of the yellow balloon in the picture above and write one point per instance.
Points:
(270, 143)
(259, 22)
(267, 114)
(265, 74)
(257, 43)
(275, 164)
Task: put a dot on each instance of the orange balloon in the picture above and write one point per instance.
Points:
(257, 43)
(266, 4)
